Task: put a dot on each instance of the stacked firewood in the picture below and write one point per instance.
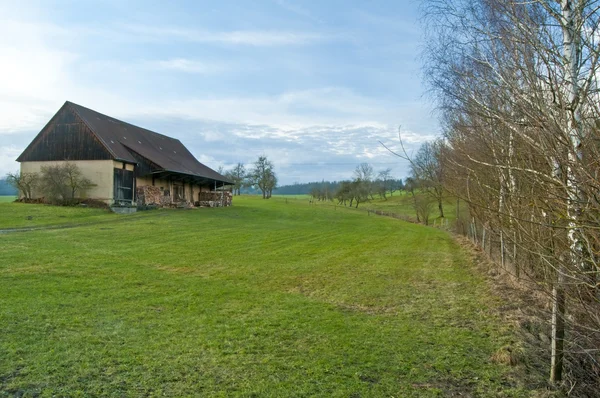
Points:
(150, 195)
(214, 199)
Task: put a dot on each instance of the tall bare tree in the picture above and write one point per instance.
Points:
(517, 85)
(262, 175)
(363, 181)
(237, 175)
(386, 183)
(427, 168)
(411, 185)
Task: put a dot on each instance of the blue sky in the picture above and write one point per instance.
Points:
(314, 85)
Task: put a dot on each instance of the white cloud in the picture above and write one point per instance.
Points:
(292, 109)
(257, 38)
(188, 66)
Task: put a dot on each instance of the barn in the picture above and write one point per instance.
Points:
(128, 164)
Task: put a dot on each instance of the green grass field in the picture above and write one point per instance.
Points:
(268, 298)
(4, 199)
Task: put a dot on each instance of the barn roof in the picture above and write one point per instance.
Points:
(123, 140)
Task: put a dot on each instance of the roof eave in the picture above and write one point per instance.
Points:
(226, 182)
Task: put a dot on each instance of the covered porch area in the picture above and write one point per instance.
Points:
(175, 189)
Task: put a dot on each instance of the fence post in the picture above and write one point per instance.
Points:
(483, 238)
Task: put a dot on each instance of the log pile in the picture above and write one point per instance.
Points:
(149, 195)
(214, 199)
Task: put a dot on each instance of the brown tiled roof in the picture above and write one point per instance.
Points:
(120, 138)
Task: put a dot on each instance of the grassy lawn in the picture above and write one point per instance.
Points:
(4, 199)
(23, 215)
(294, 197)
(400, 203)
(267, 298)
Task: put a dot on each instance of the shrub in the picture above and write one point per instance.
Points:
(24, 182)
(61, 183)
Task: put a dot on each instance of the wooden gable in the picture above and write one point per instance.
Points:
(65, 137)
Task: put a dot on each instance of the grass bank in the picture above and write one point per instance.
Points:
(266, 298)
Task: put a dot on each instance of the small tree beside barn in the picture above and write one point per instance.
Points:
(63, 183)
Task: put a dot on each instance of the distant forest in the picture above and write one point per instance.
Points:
(6, 189)
(308, 187)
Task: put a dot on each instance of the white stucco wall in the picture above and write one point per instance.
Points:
(100, 172)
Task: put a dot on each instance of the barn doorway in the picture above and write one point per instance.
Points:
(124, 186)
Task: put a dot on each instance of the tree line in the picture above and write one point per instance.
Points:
(364, 185)
(6, 189)
(361, 188)
(516, 85)
(307, 187)
(327, 189)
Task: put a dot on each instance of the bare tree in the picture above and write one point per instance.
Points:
(517, 86)
(237, 175)
(423, 206)
(410, 185)
(24, 182)
(60, 183)
(271, 182)
(427, 168)
(363, 179)
(386, 182)
(360, 191)
(263, 176)
(344, 193)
